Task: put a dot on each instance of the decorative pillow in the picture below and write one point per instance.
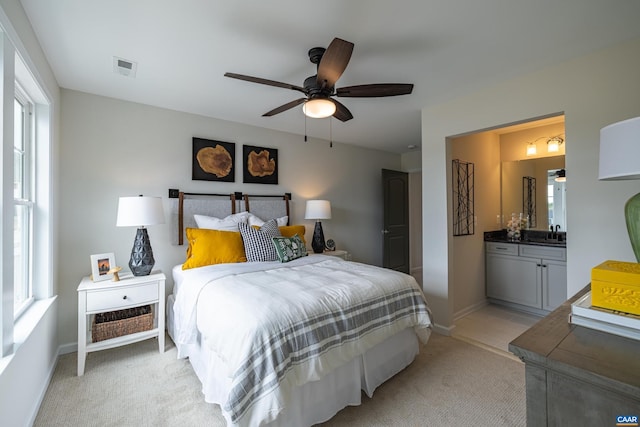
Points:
(229, 223)
(207, 247)
(289, 248)
(255, 220)
(257, 242)
(292, 230)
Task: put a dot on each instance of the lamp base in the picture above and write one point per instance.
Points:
(632, 216)
(141, 262)
(318, 243)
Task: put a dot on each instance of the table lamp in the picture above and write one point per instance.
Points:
(139, 212)
(318, 209)
(619, 154)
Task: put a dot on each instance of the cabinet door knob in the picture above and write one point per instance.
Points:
(124, 297)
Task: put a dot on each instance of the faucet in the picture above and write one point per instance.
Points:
(554, 231)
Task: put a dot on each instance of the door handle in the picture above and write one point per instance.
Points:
(385, 231)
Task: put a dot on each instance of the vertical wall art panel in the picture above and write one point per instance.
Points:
(213, 160)
(462, 189)
(260, 165)
(529, 199)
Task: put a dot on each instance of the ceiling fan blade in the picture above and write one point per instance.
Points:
(375, 90)
(284, 107)
(264, 81)
(333, 62)
(342, 113)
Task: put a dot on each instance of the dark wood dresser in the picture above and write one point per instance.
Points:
(576, 376)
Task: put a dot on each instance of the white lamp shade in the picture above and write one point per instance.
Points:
(318, 209)
(139, 211)
(318, 108)
(620, 150)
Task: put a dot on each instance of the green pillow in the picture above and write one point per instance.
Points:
(289, 248)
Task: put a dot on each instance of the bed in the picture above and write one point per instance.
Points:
(289, 343)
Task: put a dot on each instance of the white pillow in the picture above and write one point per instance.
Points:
(229, 223)
(257, 221)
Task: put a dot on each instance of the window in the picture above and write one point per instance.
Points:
(23, 201)
(25, 220)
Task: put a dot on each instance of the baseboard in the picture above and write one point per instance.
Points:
(443, 330)
(43, 391)
(67, 348)
(465, 311)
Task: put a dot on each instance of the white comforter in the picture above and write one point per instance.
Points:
(281, 325)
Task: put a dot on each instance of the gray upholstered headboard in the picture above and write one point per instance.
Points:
(184, 205)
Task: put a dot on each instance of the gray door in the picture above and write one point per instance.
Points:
(396, 220)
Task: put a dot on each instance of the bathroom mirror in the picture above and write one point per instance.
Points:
(547, 196)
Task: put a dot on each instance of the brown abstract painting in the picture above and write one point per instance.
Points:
(260, 165)
(213, 160)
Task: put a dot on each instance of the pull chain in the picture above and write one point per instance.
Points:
(330, 132)
(305, 128)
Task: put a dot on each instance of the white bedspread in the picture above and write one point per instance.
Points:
(282, 325)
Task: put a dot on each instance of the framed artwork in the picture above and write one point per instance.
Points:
(260, 165)
(101, 264)
(213, 160)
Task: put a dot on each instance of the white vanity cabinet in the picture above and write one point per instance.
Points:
(531, 276)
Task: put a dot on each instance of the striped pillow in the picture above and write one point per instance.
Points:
(258, 243)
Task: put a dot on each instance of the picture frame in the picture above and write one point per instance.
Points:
(100, 266)
(213, 160)
(260, 165)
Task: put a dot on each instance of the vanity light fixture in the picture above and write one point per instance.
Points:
(532, 150)
(553, 144)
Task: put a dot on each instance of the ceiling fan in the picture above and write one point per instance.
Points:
(320, 88)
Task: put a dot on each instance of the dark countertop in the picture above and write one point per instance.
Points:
(529, 237)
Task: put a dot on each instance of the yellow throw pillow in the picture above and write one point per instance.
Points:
(292, 230)
(208, 247)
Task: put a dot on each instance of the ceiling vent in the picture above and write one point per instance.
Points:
(124, 67)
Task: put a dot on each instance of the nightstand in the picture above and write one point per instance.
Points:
(339, 253)
(131, 291)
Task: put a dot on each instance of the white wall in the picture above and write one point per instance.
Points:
(468, 284)
(112, 148)
(25, 374)
(593, 91)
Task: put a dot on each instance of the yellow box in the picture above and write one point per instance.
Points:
(615, 285)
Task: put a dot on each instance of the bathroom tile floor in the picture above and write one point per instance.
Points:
(493, 327)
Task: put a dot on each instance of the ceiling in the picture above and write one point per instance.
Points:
(445, 48)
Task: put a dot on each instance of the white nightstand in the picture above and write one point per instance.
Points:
(130, 291)
(339, 253)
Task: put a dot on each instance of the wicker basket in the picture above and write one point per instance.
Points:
(122, 322)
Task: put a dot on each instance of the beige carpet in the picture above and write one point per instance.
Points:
(451, 383)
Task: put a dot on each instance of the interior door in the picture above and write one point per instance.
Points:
(396, 220)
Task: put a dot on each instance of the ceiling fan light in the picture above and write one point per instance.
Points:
(318, 108)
